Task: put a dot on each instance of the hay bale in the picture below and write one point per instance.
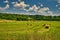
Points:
(46, 26)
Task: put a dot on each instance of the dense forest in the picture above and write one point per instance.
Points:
(20, 17)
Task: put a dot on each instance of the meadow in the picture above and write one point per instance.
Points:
(29, 30)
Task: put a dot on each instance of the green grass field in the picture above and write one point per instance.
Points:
(29, 30)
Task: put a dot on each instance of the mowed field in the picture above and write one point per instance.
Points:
(29, 30)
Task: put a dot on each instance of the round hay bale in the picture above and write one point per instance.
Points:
(46, 26)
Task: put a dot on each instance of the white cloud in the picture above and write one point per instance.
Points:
(50, 13)
(4, 8)
(7, 6)
(46, 11)
(16, 4)
(13, 2)
(41, 5)
(22, 5)
(57, 5)
(6, 1)
(26, 10)
(43, 10)
(34, 8)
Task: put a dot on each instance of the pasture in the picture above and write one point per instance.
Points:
(29, 30)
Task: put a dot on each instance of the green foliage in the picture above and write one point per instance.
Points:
(20, 17)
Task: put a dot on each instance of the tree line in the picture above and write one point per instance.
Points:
(20, 17)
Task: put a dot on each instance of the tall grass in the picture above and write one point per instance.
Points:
(29, 30)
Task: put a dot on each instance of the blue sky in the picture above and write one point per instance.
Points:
(40, 7)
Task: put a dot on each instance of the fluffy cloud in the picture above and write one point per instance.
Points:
(41, 5)
(38, 9)
(43, 10)
(13, 2)
(34, 8)
(50, 13)
(3, 8)
(57, 5)
(6, 1)
(7, 6)
(22, 5)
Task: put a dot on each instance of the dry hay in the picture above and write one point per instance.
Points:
(6, 21)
